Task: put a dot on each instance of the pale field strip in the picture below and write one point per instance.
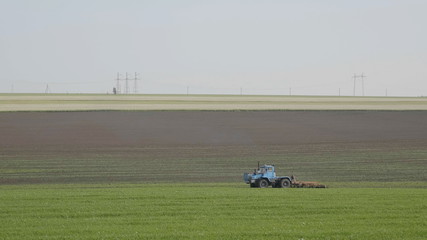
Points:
(89, 102)
(197, 98)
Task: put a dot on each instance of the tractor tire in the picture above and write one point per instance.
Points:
(263, 183)
(285, 183)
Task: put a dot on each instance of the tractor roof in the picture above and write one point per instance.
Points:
(267, 165)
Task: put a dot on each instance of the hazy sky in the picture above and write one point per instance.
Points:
(219, 46)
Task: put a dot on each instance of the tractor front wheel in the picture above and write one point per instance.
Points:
(263, 183)
(285, 183)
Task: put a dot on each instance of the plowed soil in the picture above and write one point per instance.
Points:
(211, 146)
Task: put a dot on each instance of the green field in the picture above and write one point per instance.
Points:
(372, 194)
(87, 102)
(210, 211)
(75, 176)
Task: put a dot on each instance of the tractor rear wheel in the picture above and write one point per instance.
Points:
(285, 183)
(263, 183)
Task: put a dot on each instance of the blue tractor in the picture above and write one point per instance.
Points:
(265, 176)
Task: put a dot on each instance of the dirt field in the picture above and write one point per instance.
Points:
(186, 146)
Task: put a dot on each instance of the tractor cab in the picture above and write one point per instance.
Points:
(267, 171)
(262, 177)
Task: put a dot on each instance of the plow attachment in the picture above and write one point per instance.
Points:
(304, 184)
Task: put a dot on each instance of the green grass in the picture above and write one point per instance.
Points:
(210, 211)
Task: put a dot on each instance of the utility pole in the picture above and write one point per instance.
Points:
(363, 84)
(290, 91)
(356, 77)
(47, 90)
(188, 90)
(354, 85)
(12, 90)
(118, 83)
(127, 83)
(135, 86)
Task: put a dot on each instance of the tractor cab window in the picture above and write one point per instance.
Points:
(269, 169)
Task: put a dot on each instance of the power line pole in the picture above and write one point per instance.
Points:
(127, 84)
(118, 84)
(135, 85)
(356, 77)
(47, 90)
(188, 90)
(363, 84)
(354, 84)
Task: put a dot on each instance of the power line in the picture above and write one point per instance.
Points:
(363, 84)
(118, 90)
(355, 78)
(135, 85)
(47, 90)
(127, 84)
